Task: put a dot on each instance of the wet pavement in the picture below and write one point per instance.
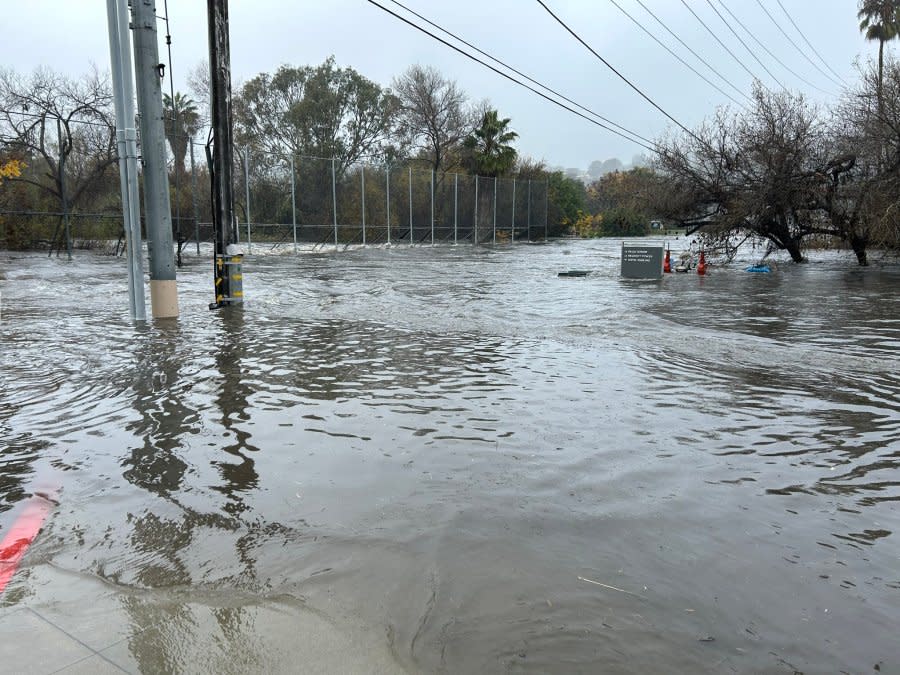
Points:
(451, 459)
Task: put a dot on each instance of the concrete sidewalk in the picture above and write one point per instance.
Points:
(55, 624)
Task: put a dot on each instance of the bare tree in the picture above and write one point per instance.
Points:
(435, 115)
(761, 171)
(62, 128)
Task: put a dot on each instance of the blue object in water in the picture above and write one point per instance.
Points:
(758, 268)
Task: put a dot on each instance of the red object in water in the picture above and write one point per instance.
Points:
(19, 537)
(701, 266)
(667, 265)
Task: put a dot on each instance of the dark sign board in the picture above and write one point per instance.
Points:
(642, 260)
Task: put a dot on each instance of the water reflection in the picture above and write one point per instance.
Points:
(443, 462)
(232, 399)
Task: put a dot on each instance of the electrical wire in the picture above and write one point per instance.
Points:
(796, 46)
(511, 78)
(740, 39)
(688, 47)
(685, 63)
(517, 72)
(769, 52)
(610, 66)
(716, 37)
(794, 24)
(49, 116)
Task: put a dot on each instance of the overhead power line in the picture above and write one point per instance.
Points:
(513, 79)
(608, 65)
(741, 40)
(717, 39)
(688, 47)
(769, 51)
(668, 49)
(796, 46)
(815, 51)
(518, 72)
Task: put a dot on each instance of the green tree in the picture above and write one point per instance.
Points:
(182, 123)
(565, 201)
(324, 111)
(492, 154)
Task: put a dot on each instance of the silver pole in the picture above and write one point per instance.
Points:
(294, 202)
(334, 203)
(247, 189)
(514, 213)
(387, 197)
(455, 205)
(362, 176)
(432, 207)
(194, 199)
(410, 207)
(495, 210)
(546, 198)
(528, 211)
(163, 289)
(126, 141)
(475, 219)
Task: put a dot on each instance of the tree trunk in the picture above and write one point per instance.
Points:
(858, 244)
(792, 246)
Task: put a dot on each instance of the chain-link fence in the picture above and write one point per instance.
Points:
(74, 201)
(312, 200)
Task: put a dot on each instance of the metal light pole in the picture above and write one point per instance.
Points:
(194, 198)
(126, 143)
(294, 202)
(387, 196)
(148, 72)
(362, 194)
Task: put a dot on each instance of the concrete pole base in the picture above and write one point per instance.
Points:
(163, 298)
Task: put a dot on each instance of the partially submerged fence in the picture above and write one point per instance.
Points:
(310, 199)
(280, 201)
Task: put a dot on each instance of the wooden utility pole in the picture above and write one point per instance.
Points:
(227, 264)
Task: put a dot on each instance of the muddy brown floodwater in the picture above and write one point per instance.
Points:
(467, 462)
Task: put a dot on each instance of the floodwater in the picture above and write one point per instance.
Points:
(467, 463)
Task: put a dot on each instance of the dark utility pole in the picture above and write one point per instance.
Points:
(227, 265)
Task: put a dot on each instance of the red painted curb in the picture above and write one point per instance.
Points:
(19, 537)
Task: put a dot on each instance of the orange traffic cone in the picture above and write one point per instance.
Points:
(701, 266)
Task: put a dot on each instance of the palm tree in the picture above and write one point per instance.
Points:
(880, 20)
(492, 153)
(182, 122)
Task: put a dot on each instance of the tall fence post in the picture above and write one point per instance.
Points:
(455, 205)
(387, 197)
(410, 207)
(194, 202)
(432, 207)
(514, 212)
(294, 202)
(362, 180)
(546, 203)
(247, 189)
(495, 210)
(528, 210)
(475, 219)
(334, 202)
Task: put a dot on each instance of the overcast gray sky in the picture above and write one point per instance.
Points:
(71, 35)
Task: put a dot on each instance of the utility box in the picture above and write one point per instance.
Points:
(642, 259)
